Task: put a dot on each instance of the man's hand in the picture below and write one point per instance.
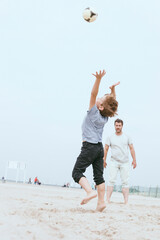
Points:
(100, 74)
(104, 163)
(134, 164)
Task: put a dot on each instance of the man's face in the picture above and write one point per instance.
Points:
(118, 127)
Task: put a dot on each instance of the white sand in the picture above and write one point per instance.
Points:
(33, 212)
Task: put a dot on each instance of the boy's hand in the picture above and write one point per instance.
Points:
(113, 92)
(95, 88)
(111, 87)
(100, 74)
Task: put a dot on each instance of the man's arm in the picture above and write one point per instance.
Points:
(133, 154)
(113, 92)
(95, 88)
(106, 147)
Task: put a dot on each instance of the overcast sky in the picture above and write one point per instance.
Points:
(47, 55)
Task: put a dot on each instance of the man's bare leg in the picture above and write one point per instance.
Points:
(101, 192)
(109, 193)
(125, 192)
(90, 192)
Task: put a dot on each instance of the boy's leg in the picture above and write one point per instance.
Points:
(101, 192)
(113, 170)
(98, 178)
(84, 160)
(124, 173)
(90, 192)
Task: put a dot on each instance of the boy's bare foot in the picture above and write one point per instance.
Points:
(89, 196)
(100, 207)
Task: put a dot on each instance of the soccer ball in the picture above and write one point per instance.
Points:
(89, 15)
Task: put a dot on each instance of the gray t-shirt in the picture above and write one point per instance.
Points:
(119, 147)
(93, 124)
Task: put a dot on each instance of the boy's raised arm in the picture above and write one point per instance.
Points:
(113, 92)
(95, 88)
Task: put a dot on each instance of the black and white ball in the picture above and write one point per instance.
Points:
(89, 15)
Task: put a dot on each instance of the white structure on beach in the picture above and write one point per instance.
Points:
(17, 166)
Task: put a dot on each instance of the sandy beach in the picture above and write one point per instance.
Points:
(32, 212)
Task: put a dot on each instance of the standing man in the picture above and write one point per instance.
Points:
(119, 143)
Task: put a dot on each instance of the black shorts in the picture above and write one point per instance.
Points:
(91, 153)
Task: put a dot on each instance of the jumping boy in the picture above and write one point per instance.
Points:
(92, 149)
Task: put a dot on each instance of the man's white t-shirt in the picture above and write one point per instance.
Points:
(119, 147)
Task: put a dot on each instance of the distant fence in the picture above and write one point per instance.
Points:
(138, 190)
